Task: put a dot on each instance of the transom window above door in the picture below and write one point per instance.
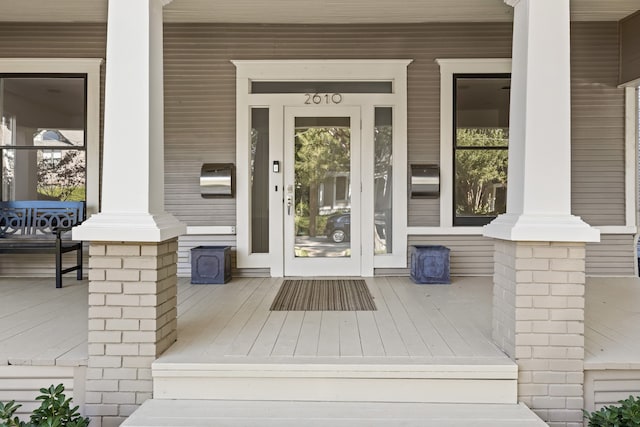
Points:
(321, 87)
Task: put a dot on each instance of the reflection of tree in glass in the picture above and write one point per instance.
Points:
(383, 184)
(320, 152)
(480, 172)
(63, 179)
(8, 166)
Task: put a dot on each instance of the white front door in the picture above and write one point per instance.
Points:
(322, 191)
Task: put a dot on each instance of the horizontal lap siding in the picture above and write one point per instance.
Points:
(598, 134)
(186, 243)
(23, 384)
(470, 255)
(200, 91)
(200, 111)
(607, 387)
(613, 256)
(630, 48)
(200, 101)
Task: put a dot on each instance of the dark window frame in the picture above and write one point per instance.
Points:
(46, 75)
(468, 221)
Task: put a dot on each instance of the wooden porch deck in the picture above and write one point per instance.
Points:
(422, 344)
(41, 325)
(232, 323)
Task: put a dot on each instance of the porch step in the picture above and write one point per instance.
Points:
(233, 413)
(488, 381)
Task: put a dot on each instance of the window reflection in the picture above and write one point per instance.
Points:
(42, 137)
(481, 147)
(259, 180)
(383, 180)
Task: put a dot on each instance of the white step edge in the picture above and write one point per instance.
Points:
(341, 370)
(492, 384)
(229, 413)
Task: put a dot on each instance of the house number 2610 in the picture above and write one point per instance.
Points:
(322, 98)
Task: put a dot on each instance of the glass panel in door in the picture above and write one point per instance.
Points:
(322, 210)
(322, 187)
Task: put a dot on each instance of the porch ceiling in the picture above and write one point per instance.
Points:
(309, 11)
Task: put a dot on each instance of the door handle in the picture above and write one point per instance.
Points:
(289, 205)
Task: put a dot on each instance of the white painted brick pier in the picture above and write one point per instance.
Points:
(132, 320)
(538, 321)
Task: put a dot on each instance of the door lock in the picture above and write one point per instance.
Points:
(289, 205)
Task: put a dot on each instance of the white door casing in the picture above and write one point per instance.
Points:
(249, 71)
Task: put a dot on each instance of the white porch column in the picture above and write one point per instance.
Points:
(539, 190)
(132, 203)
(538, 302)
(132, 255)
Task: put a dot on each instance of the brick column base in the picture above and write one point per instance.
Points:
(538, 320)
(132, 320)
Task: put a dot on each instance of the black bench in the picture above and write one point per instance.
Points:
(35, 226)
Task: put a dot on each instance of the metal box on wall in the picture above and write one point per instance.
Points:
(210, 265)
(216, 180)
(424, 181)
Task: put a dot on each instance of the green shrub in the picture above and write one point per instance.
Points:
(55, 411)
(625, 415)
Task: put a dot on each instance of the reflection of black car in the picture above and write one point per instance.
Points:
(338, 228)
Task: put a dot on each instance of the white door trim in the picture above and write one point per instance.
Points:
(394, 70)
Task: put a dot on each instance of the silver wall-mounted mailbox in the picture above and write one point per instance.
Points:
(216, 180)
(424, 181)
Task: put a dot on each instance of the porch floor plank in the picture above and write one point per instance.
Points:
(253, 327)
(329, 339)
(350, 342)
(207, 318)
(612, 313)
(285, 345)
(307, 344)
(370, 337)
(389, 335)
(41, 325)
(408, 332)
(266, 339)
(435, 331)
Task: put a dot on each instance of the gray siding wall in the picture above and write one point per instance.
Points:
(186, 243)
(23, 384)
(607, 387)
(630, 48)
(597, 192)
(200, 111)
(613, 256)
(200, 91)
(200, 101)
(470, 255)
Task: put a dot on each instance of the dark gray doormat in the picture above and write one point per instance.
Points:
(327, 295)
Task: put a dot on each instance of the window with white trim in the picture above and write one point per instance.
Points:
(450, 121)
(58, 136)
(43, 137)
